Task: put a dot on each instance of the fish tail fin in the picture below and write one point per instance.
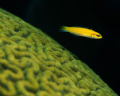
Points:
(62, 28)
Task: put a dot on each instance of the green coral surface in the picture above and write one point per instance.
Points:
(33, 64)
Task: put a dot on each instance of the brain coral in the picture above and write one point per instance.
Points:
(33, 64)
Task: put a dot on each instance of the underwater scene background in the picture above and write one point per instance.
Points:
(102, 15)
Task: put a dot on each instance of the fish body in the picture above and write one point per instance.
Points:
(80, 31)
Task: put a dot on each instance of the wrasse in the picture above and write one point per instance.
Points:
(80, 31)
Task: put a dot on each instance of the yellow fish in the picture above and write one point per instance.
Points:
(80, 31)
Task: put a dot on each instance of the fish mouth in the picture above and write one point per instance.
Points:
(98, 38)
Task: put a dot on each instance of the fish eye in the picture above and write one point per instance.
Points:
(98, 35)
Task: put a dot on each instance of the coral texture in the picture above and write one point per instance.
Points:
(33, 64)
